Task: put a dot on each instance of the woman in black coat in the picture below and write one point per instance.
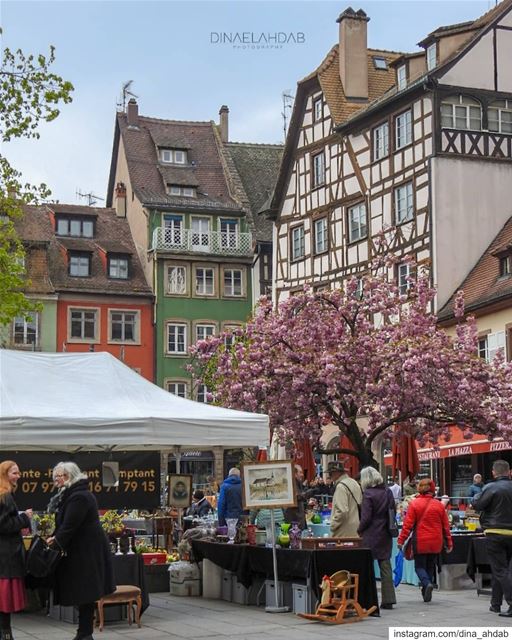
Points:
(85, 573)
(374, 529)
(12, 552)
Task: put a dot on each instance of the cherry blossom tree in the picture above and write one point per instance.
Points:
(370, 360)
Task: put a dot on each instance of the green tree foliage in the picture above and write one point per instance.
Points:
(29, 94)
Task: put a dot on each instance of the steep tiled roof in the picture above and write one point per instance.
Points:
(203, 171)
(483, 286)
(258, 166)
(112, 234)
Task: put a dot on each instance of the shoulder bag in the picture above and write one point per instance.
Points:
(354, 498)
(42, 560)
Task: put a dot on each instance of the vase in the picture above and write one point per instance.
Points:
(295, 536)
(284, 536)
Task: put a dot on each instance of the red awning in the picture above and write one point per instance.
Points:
(453, 449)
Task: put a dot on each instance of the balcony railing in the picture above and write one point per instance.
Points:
(216, 242)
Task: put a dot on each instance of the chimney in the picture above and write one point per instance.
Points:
(224, 123)
(120, 200)
(353, 54)
(132, 112)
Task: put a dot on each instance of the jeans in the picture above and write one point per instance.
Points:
(425, 567)
(499, 550)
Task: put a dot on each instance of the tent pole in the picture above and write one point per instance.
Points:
(164, 472)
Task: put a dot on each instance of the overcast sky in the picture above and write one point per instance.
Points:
(172, 51)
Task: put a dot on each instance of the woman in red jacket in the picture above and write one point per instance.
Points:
(432, 530)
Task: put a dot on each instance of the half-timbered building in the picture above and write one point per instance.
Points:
(416, 144)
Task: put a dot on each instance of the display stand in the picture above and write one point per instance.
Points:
(276, 608)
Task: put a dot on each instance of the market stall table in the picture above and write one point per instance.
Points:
(478, 565)
(309, 565)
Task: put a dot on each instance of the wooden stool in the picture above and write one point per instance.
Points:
(124, 594)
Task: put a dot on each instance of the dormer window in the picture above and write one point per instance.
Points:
(506, 266)
(173, 156)
(79, 265)
(179, 190)
(380, 63)
(118, 267)
(431, 56)
(75, 227)
(317, 110)
(401, 77)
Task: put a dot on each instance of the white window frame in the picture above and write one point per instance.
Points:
(228, 282)
(431, 55)
(180, 330)
(178, 190)
(116, 261)
(173, 229)
(201, 281)
(80, 224)
(403, 129)
(318, 164)
(229, 330)
(83, 310)
(201, 393)
(357, 222)
(404, 203)
(177, 387)
(401, 77)
(318, 108)
(298, 246)
(136, 326)
(489, 345)
(173, 156)
(500, 111)
(380, 63)
(229, 233)
(184, 270)
(381, 141)
(77, 262)
(204, 330)
(458, 112)
(26, 325)
(199, 237)
(404, 272)
(505, 266)
(321, 236)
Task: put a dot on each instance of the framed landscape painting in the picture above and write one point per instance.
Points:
(268, 485)
(180, 490)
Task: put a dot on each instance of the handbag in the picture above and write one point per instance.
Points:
(392, 525)
(398, 571)
(42, 560)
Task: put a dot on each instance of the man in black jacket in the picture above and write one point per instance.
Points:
(495, 506)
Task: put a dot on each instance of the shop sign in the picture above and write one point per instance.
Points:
(500, 446)
(432, 454)
(462, 450)
(138, 487)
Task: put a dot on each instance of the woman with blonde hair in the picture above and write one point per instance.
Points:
(12, 552)
(378, 500)
(431, 531)
(85, 572)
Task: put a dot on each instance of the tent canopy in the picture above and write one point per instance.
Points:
(93, 401)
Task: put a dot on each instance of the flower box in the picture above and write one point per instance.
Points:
(154, 558)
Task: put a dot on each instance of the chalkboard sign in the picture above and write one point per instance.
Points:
(138, 487)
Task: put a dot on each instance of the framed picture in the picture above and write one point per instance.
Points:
(180, 490)
(268, 485)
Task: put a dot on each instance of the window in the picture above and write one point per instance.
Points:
(229, 234)
(380, 63)
(505, 266)
(124, 326)
(173, 229)
(321, 235)
(173, 156)
(500, 116)
(358, 293)
(203, 393)
(177, 280)
(177, 338)
(381, 141)
(200, 234)
(76, 227)
(403, 275)
(401, 77)
(229, 331)
(317, 110)
(298, 248)
(461, 112)
(178, 388)
(177, 190)
(204, 282)
(357, 222)
(118, 268)
(233, 282)
(489, 345)
(79, 264)
(26, 330)
(83, 324)
(318, 169)
(404, 203)
(204, 331)
(403, 131)
(431, 56)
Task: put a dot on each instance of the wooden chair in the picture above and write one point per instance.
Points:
(124, 594)
(339, 603)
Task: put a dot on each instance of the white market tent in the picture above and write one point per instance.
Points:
(92, 401)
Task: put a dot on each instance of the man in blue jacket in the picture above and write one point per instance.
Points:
(230, 497)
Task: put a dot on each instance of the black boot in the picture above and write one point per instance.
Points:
(6, 634)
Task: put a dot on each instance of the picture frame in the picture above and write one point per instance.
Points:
(268, 485)
(179, 490)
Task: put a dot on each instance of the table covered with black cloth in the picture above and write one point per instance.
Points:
(477, 558)
(129, 569)
(299, 564)
(461, 546)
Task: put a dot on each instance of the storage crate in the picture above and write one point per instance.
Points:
(284, 594)
(69, 614)
(227, 585)
(240, 594)
(257, 592)
(184, 579)
(304, 600)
